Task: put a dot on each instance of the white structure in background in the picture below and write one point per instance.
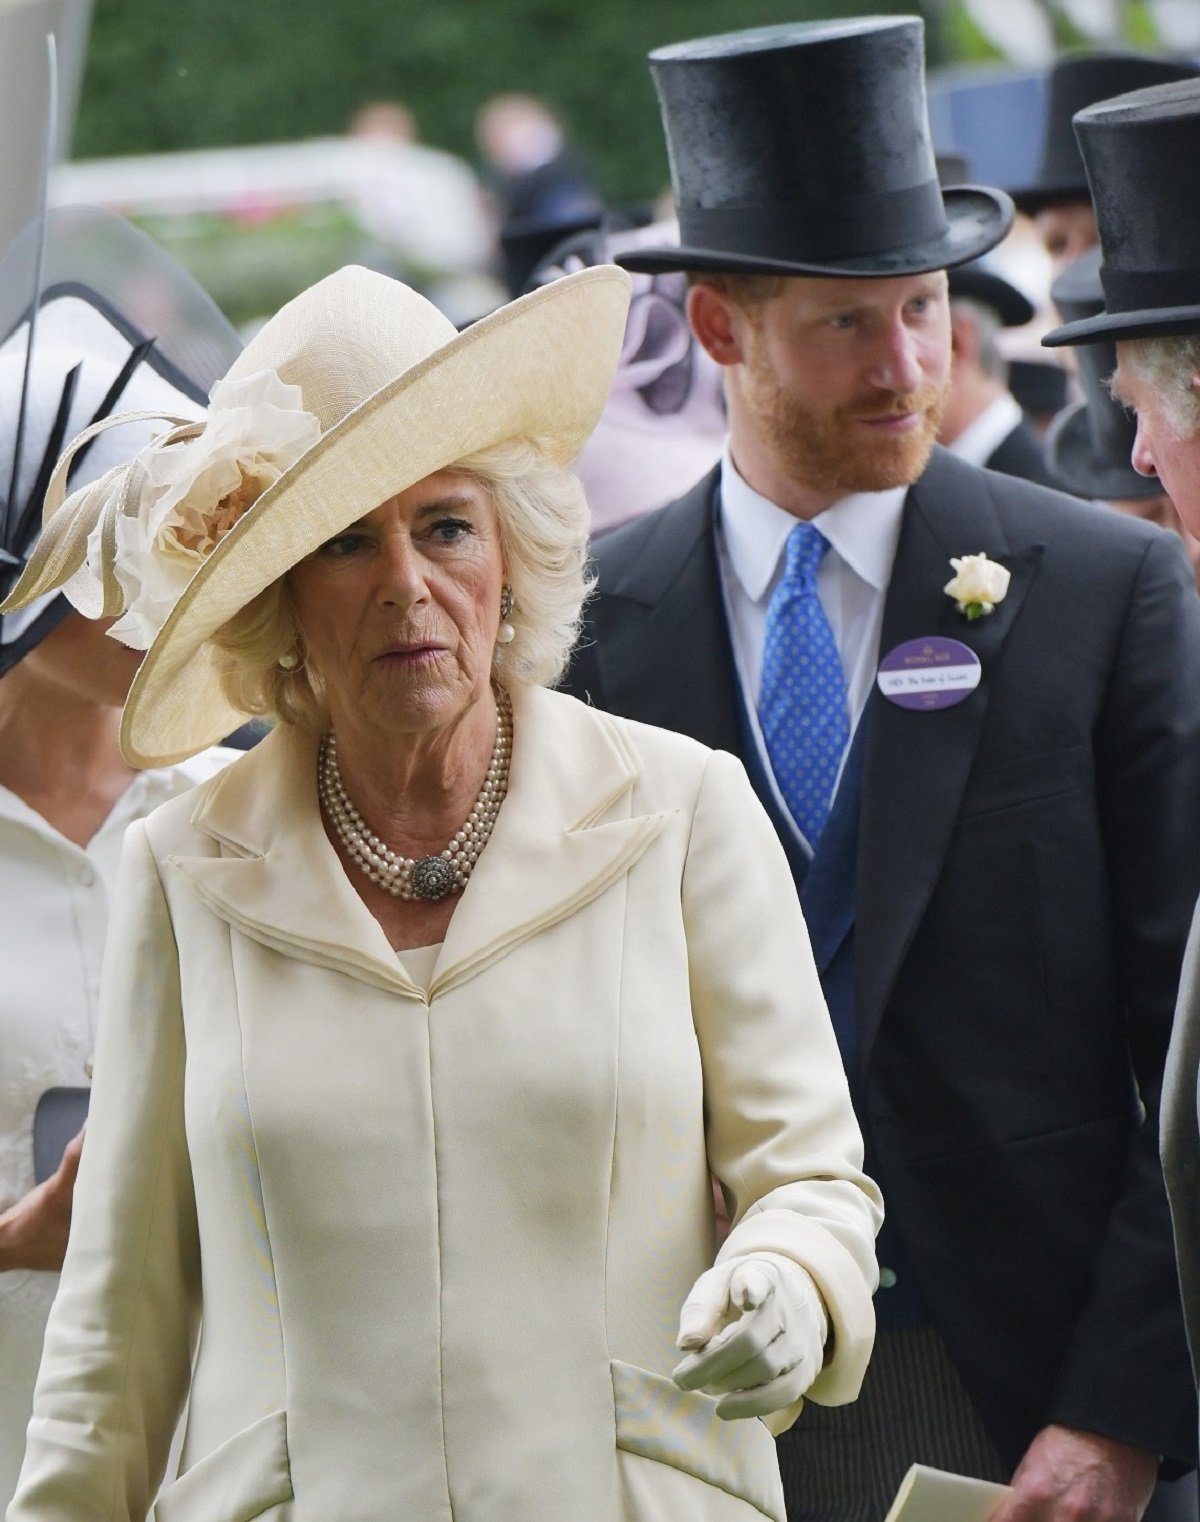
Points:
(1178, 23)
(1023, 30)
(23, 99)
(425, 203)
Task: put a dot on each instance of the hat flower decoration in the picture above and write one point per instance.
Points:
(195, 484)
(978, 585)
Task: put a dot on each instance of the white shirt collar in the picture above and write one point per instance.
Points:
(864, 529)
(980, 439)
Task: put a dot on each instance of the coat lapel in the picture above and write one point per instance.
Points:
(566, 832)
(917, 763)
(665, 656)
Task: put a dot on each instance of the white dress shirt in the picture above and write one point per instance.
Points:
(980, 439)
(863, 531)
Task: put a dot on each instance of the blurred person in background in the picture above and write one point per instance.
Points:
(665, 419)
(67, 794)
(983, 423)
(1058, 198)
(424, 212)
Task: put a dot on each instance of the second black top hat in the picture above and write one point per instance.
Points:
(805, 149)
(1142, 152)
(1075, 83)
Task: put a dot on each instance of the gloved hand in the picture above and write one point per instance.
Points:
(763, 1359)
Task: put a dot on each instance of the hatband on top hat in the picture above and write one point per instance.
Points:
(805, 150)
(354, 391)
(1075, 83)
(1141, 151)
(1089, 445)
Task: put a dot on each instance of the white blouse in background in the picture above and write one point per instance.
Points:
(54, 908)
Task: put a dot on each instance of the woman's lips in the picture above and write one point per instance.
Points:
(409, 655)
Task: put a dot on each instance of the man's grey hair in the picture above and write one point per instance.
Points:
(1167, 367)
(991, 357)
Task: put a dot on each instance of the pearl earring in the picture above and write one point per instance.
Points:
(506, 633)
(289, 662)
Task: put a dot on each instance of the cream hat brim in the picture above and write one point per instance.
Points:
(539, 368)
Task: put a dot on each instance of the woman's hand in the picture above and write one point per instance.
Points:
(33, 1232)
(754, 1330)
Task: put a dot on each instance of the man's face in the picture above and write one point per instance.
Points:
(843, 381)
(1158, 450)
(1066, 231)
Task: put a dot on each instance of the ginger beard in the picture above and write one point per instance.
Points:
(830, 450)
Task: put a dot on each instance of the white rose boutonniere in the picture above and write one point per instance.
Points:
(194, 492)
(977, 585)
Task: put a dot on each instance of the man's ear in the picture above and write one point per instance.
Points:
(717, 323)
(964, 335)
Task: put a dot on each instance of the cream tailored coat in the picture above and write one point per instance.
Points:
(422, 1253)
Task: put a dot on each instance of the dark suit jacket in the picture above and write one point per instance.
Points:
(1020, 453)
(1026, 867)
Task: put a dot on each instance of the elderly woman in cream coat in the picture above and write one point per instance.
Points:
(425, 1024)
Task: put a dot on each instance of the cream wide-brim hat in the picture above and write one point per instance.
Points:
(399, 394)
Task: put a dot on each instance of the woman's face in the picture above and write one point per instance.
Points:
(399, 612)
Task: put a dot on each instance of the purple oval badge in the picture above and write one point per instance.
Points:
(929, 673)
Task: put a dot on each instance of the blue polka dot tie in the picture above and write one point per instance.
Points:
(802, 700)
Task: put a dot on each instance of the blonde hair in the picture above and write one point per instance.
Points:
(543, 518)
(1168, 366)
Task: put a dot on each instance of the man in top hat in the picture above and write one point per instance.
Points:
(1141, 152)
(1058, 199)
(982, 421)
(972, 707)
(1090, 443)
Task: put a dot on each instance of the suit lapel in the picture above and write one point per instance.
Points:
(665, 656)
(917, 763)
(565, 833)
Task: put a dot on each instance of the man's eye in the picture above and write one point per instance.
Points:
(844, 321)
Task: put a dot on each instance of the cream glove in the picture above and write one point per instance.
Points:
(754, 1330)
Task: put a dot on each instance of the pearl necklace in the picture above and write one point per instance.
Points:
(426, 877)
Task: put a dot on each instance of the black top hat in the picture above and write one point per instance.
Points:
(805, 150)
(1089, 445)
(1075, 83)
(1141, 152)
(1039, 385)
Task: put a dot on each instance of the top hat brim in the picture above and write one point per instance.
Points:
(1011, 306)
(1072, 459)
(1030, 199)
(978, 218)
(1149, 322)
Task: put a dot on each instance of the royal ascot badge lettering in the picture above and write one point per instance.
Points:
(925, 674)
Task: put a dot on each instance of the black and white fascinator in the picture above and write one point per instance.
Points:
(94, 319)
